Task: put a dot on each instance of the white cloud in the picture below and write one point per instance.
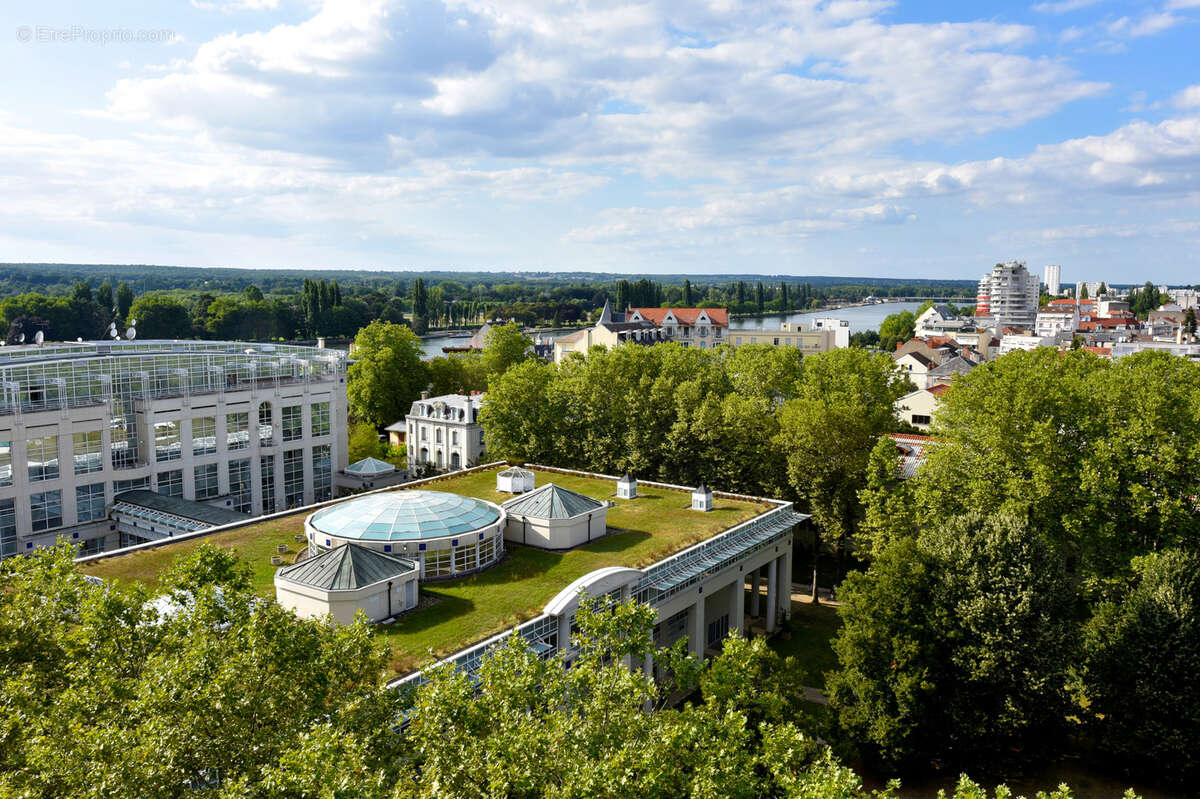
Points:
(1063, 6)
(1188, 98)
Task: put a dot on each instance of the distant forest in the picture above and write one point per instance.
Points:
(68, 301)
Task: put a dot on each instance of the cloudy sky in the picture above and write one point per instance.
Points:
(852, 137)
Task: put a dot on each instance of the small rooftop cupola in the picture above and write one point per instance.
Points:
(627, 487)
(702, 498)
(515, 480)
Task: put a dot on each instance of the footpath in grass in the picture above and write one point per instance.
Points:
(641, 531)
(811, 643)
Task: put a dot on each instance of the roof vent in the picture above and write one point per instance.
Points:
(702, 498)
(627, 487)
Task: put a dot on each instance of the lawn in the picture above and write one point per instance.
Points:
(813, 628)
(642, 531)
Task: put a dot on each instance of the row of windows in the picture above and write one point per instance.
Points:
(437, 435)
(46, 507)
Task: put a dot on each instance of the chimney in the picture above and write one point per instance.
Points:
(425, 394)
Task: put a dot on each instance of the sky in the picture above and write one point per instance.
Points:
(851, 137)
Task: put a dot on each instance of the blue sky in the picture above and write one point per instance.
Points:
(853, 137)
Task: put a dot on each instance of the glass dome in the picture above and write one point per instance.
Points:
(404, 516)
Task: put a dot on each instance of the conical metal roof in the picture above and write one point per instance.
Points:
(552, 502)
(346, 568)
(370, 466)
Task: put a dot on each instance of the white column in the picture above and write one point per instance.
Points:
(737, 607)
(564, 632)
(648, 670)
(696, 628)
(786, 582)
(772, 593)
(754, 592)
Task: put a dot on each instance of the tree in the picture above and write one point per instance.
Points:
(420, 306)
(504, 346)
(896, 329)
(844, 402)
(457, 373)
(1102, 289)
(160, 316)
(104, 298)
(1141, 658)
(759, 299)
(955, 645)
(364, 442)
(253, 293)
(1083, 291)
(217, 688)
(1189, 324)
(124, 300)
(387, 375)
(523, 415)
(687, 293)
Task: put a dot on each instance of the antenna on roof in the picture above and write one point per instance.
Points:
(20, 338)
(38, 338)
(130, 334)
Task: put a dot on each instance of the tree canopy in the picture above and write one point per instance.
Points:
(387, 375)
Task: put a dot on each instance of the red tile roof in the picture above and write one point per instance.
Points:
(938, 389)
(687, 316)
(1103, 352)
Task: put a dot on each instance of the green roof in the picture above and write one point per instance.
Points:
(552, 502)
(346, 568)
(178, 506)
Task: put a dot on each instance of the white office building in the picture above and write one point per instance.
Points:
(444, 432)
(251, 428)
(1009, 294)
(1053, 279)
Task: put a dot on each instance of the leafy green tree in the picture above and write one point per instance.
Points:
(844, 402)
(524, 413)
(761, 370)
(104, 298)
(124, 300)
(505, 346)
(364, 442)
(457, 373)
(108, 694)
(387, 374)
(160, 316)
(896, 329)
(1141, 669)
(253, 293)
(955, 645)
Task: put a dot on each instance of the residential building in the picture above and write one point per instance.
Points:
(789, 335)
(252, 428)
(916, 366)
(692, 327)
(1052, 278)
(840, 328)
(444, 432)
(919, 407)
(939, 319)
(1055, 319)
(1009, 294)
(1010, 342)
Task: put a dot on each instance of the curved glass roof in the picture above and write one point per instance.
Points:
(404, 516)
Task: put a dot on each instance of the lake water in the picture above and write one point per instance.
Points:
(863, 317)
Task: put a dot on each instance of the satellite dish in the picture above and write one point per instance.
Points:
(112, 332)
(20, 338)
(112, 325)
(131, 334)
(39, 337)
(79, 339)
(133, 321)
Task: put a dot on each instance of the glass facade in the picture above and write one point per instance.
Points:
(237, 431)
(166, 441)
(293, 423)
(322, 471)
(438, 563)
(45, 509)
(204, 435)
(293, 477)
(239, 485)
(8, 528)
(170, 484)
(267, 472)
(87, 452)
(122, 445)
(89, 502)
(42, 456)
(320, 418)
(266, 425)
(136, 484)
(6, 472)
(205, 476)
